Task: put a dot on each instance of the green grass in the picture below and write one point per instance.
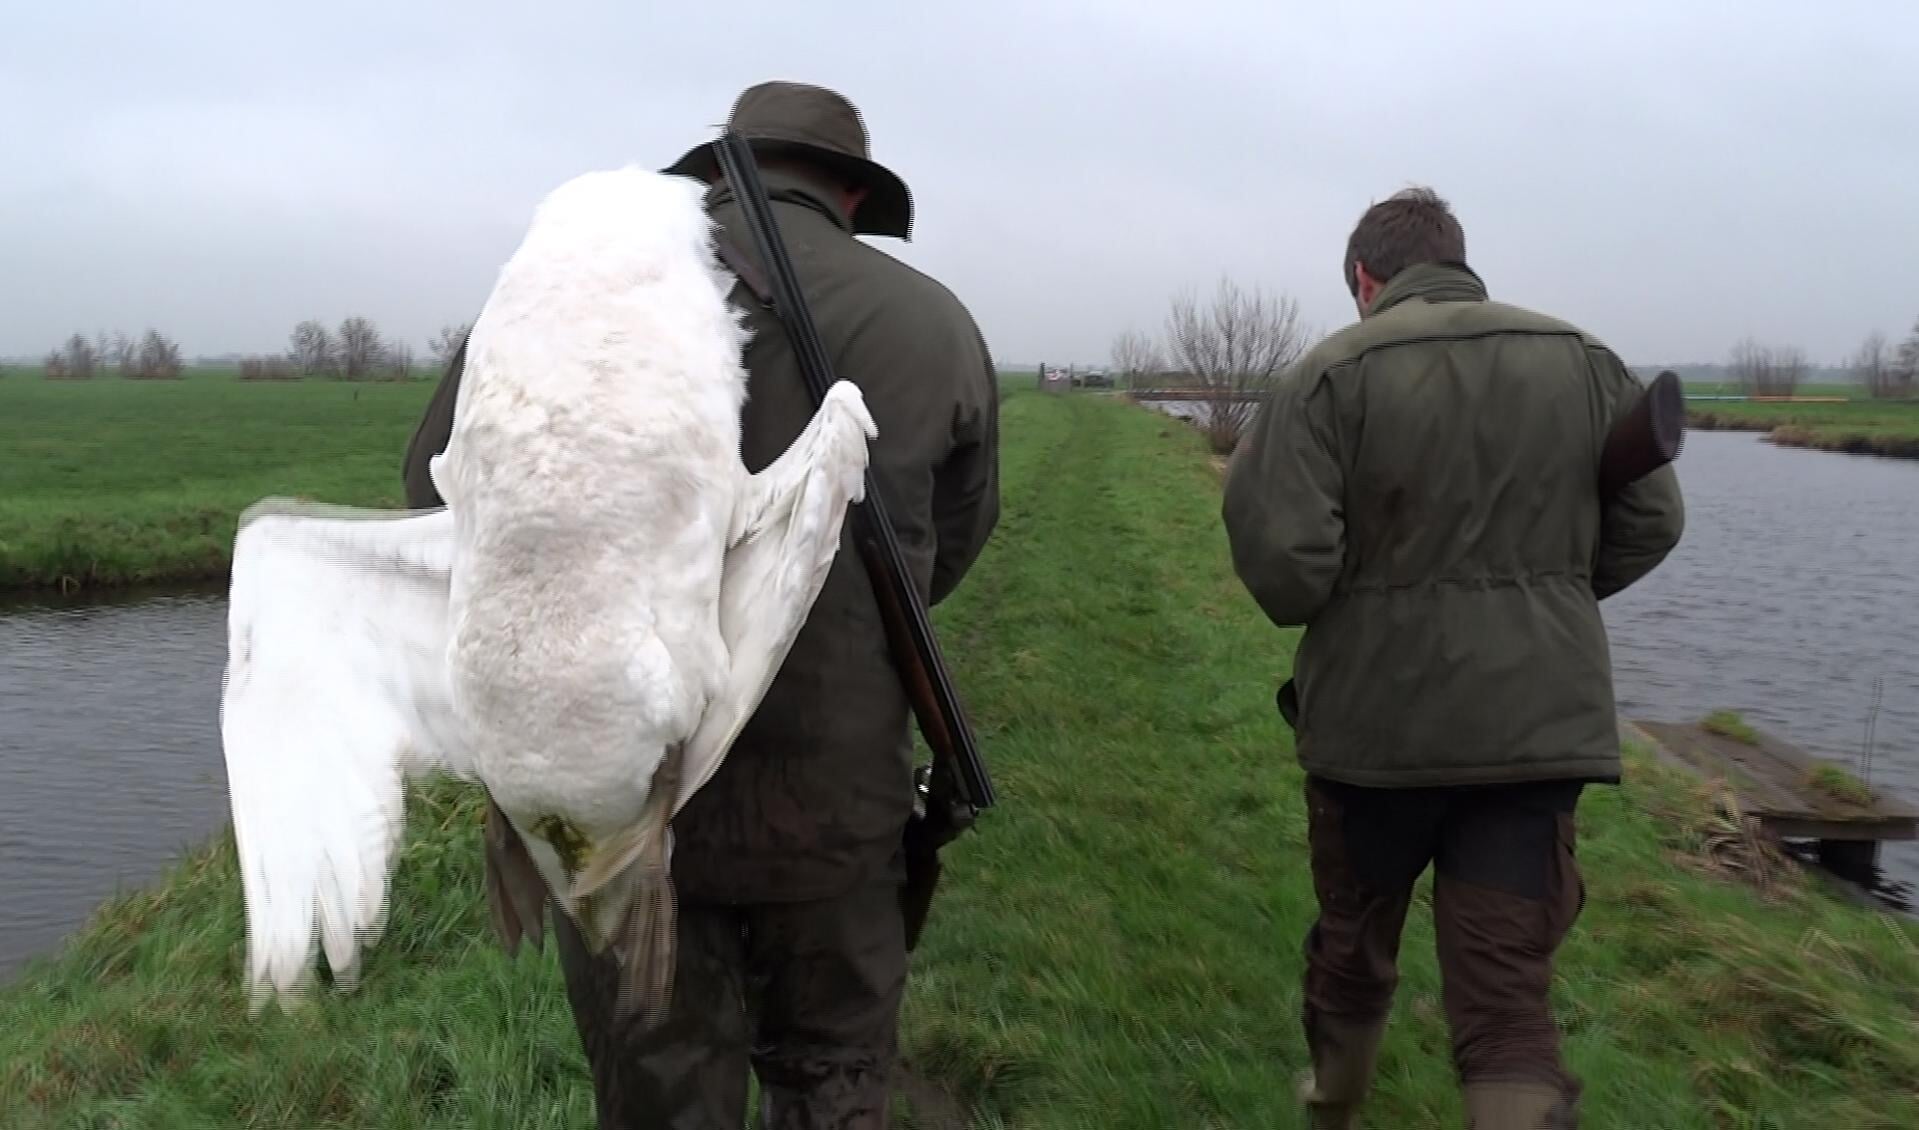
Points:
(1836, 782)
(1118, 945)
(1864, 427)
(1017, 380)
(1729, 723)
(111, 482)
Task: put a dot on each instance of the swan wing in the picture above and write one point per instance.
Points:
(335, 693)
(785, 536)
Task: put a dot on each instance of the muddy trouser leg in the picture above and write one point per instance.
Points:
(829, 976)
(1507, 891)
(690, 1073)
(1368, 848)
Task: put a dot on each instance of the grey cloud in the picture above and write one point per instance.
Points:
(1672, 176)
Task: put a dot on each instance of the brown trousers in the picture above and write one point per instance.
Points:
(1506, 891)
(805, 995)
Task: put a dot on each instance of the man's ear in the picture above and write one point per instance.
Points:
(1366, 287)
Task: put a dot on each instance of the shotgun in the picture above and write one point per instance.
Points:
(1647, 438)
(950, 793)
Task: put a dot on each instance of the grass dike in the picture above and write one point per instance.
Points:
(109, 483)
(1117, 945)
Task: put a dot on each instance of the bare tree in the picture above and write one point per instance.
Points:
(83, 358)
(1768, 370)
(447, 342)
(1904, 365)
(359, 348)
(313, 353)
(1872, 365)
(399, 360)
(1750, 364)
(1234, 350)
(74, 361)
(121, 355)
(157, 359)
(1791, 370)
(1137, 360)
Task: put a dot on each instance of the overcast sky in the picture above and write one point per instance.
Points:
(1671, 175)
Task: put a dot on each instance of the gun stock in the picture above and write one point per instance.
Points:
(1647, 438)
(936, 724)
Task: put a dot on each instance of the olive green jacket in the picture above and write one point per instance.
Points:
(1420, 492)
(814, 795)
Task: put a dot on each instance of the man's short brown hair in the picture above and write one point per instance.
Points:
(1409, 227)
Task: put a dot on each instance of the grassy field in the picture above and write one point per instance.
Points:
(113, 482)
(1118, 945)
(110, 481)
(1861, 426)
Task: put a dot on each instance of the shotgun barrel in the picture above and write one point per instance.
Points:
(951, 792)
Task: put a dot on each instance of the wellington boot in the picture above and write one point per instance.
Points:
(1344, 1056)
(1518, 1106)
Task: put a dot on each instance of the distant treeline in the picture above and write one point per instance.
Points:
(356, 351)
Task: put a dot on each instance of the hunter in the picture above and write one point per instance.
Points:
(788, 864)
(1420, 493)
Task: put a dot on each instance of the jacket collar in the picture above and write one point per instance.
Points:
(1433, 282)
(783, 187)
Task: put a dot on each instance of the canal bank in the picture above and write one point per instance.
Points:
(1882, 428)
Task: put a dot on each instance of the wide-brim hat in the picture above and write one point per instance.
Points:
(798, 119)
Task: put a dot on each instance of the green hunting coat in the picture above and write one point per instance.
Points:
(814, 795)
(1420, 492)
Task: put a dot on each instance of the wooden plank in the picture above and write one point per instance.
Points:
(1772, 778)
(1684, 742)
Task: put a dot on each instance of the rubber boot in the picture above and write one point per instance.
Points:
(1344, 1056)
(1519, 1106)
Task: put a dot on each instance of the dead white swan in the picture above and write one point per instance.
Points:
(584, 628)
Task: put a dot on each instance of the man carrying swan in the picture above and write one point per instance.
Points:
(786, 863)
(588, 655)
